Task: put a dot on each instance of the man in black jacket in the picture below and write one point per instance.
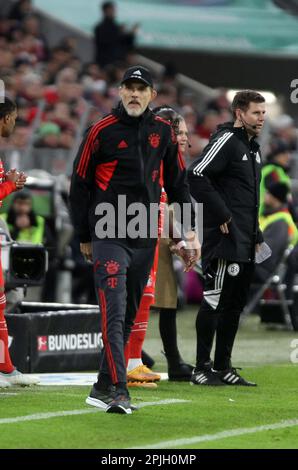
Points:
(226, 180)
(122, 163)
(112, 41)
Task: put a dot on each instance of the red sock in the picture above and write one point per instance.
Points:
(5, 361)
(138, 332)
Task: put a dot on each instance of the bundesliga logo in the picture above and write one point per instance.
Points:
(69, 342)
(42, 343)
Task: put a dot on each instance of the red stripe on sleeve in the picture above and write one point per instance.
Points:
(161, 180)
(181, 160)
(89, 141)
(87, 150)
(158, 118)
(104, 173)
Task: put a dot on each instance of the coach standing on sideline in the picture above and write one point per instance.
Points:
(226, 179)
(130, 153)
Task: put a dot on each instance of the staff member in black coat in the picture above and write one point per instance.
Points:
(112, 41)
(122, 164)
(226, 180)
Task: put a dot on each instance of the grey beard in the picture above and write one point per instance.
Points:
(134, 112)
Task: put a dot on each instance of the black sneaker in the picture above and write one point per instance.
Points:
(231, 377)
(180, 371)
(120, 403)
(205, 376)
(101, 398)
(147, 360)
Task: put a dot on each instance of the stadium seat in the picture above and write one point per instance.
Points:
(270, 299)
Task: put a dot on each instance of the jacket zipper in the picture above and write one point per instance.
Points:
(253, 162)
(140, 152)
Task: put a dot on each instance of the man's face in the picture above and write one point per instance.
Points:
(22, 206)
(271, 202)
(136, 97)
(111, 12)
(284, 159)
(253, 118)
(9, 122)
(182, 136)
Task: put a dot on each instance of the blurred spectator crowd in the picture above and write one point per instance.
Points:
(58, 95)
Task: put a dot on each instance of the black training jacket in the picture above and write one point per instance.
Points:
(226, 179)
(127, 156)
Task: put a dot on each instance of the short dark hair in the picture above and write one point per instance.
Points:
(23, 195)
(7, 107)
(106, 6)
(243, 98)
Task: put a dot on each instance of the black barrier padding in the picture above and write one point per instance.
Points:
(19, 338)
(61, 341)
(32, 307)
(294, 312)
(271, 313)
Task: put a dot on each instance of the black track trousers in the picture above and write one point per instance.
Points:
(226, 290)
(120, 275)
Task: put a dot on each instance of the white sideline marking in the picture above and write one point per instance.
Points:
(168, 401)
(58, 414)
(7, 393)
(220, 435)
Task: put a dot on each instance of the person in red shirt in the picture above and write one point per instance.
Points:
(9, 182)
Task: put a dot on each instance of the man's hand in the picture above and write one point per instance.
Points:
(189, 253)
(20, 182)
(224, 227)
(258, 247)
(12, 175)
(18, 178)
(189, 258)
(86, 251)
(192, 243)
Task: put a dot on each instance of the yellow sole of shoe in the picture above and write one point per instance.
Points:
(142, 384)
(132, 378)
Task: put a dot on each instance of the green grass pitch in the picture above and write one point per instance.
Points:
(198, 422)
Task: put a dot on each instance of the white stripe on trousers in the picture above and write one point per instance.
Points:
(212, 297)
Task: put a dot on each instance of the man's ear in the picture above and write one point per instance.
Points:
(238, 113)
(153, 94)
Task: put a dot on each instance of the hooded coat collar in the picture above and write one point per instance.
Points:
(121, 113)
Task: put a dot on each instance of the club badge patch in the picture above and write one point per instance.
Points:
(112, 267)
(233, 269)
(154, 140)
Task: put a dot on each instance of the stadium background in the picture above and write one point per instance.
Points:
(231, 45)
